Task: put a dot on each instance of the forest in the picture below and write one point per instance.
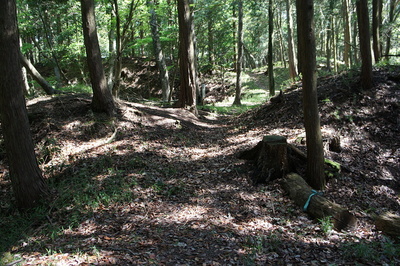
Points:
(199, 132)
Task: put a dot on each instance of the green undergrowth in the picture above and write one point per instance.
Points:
(79, 190)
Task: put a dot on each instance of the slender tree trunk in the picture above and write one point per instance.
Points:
(210, 35)
(334, 50)
(188, 71)
(329, 36)
(291, 50)
(376, 26)
(393, 4)
(118, 52)
(36, 75)
(347, 37)
(356, 59)
(270, 54)
(158, 52)
(26, 178)
(102, 100)
(239, 63)
(365, 46)
(315, 154)
(234, 30)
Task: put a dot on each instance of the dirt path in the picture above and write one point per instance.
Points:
(169, 190)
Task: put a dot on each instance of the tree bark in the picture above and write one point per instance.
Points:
(388, 223)
(315, 153)
(36, 75)
(188, 71)
(102, 100)
(347, 36)
(158, 52)
(329, 37)
(291, 52)
(26, 178)
(271, 80)
(365, 46)
(376, 26)
(239, 63)
(392, 18)
(318, 207)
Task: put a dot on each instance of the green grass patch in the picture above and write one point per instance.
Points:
(77, 88)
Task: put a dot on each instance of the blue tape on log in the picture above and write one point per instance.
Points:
(313, 192)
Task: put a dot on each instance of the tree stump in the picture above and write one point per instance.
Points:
(274, 158)
(318, 207)
(388, 223)
(270, 156)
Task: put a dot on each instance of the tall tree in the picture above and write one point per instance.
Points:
(120, 40)
(347, 36)
(365, 45)
(315, 154)
(158, 52)
(270, 54)
(26, 178)
(291, 50)
(239, 63)
(102, 100)
(187, 63)
(392, 17)
(329, 35)
(376, 28)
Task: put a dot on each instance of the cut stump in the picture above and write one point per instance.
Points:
(319, 207)
(274, 158)
(388, 223)
(270, 156)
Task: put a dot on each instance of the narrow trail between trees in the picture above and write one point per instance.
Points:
(170, 190)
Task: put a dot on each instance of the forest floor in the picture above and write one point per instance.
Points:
(161, 186)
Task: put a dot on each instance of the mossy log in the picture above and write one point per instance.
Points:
(388, 223)
(318, 206)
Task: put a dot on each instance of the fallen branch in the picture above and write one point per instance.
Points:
(315, 205)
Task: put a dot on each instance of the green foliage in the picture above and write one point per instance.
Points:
(326, 225)
(371, 252)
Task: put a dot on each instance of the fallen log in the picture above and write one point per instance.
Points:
(316, 205)
(388, 223)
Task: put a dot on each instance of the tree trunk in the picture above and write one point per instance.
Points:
(317, 206)
(210, 40)
(393, 4)
(36, 75)
(271, 80)
(315, 153)
(26, 178)
(160, 59)
(291, 52)
(188, 71)
(329, 37)
(365, 46)
(118, 52)
(102, 100)
(239, 63)
(347, 37)
(376, 26)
